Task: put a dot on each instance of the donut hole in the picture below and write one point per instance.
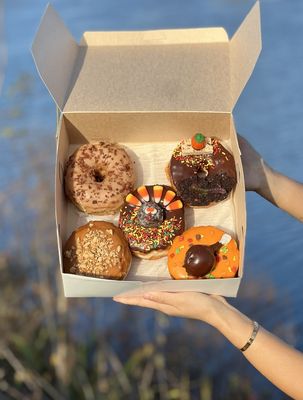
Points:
(98, 177)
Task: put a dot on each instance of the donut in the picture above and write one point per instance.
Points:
(98, 176)
(202, 171)
(150, 219)
(97, 249)
(203, 252)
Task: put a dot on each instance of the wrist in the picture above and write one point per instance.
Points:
(217, 312)
(231, 323)
(266, 178)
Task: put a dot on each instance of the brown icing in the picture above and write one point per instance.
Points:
(97, 249)
(151, 232)
(203, 179)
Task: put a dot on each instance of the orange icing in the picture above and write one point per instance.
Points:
(226, 267)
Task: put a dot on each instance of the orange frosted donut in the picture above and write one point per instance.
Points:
(203, 252)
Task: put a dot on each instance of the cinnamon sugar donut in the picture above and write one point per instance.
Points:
(98, 176)
(151, 217)
(97, 249)
(203, 252)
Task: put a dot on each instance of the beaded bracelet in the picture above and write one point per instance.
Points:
(252, 337)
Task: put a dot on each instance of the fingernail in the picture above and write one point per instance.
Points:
(148, 296)
(119, 299)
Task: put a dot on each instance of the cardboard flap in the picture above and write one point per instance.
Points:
(245, 47)
(160, 70)
(55, 52)
(166, 70)
(159, 36)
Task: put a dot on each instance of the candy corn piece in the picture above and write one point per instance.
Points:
(169, 195)
(158, 193)
(175, 205)
(143, 193)
(131, 199)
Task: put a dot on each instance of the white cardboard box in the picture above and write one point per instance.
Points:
(147, 90)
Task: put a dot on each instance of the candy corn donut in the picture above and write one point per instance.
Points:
(151, 217)
(203, 252)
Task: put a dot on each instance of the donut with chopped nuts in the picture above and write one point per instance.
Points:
(202, 171)
(98, 176)
(151, 217)
(97, 249)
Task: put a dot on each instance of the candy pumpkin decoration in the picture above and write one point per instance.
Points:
(198, 141)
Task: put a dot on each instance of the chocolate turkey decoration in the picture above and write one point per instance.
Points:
(152, 195)
(199, 260)
(151, 217)
(150, 214)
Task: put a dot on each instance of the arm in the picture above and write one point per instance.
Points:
(280, 190)
(277, 361)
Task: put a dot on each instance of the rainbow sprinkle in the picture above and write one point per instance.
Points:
(147, 239)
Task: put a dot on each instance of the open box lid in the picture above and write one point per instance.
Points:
(160, 70)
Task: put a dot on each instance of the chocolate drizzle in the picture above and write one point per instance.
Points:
(203, 179)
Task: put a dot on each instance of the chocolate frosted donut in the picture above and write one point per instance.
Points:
(98, 176)
(97, 249)
(202, 172)
(150, 219)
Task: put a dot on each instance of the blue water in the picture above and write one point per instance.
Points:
(269, 113)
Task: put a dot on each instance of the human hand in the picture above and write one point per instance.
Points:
(194, 305)
(255, 169)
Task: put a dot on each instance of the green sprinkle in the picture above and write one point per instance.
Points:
(199, 137)
(224, 250)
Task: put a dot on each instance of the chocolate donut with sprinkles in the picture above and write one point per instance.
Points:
(151, 217)
(202, 171)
